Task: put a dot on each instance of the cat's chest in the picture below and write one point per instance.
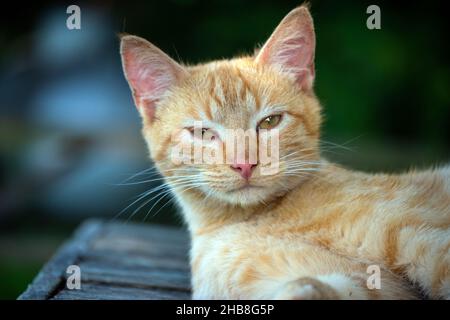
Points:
(334, 231)
(247, 240)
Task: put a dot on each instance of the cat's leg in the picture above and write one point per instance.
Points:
(302, 271)
(338, 286)
(334, 287)
(423, 255)
(317, 273)
(325, 275)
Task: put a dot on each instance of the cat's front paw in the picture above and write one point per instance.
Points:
(306, 289)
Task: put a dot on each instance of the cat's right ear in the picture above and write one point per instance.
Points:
(149, 72)
(291, 47)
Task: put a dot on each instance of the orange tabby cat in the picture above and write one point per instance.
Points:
(308, 231)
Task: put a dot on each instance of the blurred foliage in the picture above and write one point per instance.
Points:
(16, 276)
(24, 247)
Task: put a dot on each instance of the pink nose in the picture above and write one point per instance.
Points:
(245, 169)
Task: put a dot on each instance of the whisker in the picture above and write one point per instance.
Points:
(151, 208)
(162, 207)
(167, 193)
(138, 174)
(141, 197)
(175, 182)
(343, 145)
(165, 189)
(149, 180)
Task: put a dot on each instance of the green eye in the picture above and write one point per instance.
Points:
(270, 122)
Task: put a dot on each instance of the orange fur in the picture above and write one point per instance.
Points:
(307, 233)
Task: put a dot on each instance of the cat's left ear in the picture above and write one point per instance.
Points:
(291, 47)
(149, 72)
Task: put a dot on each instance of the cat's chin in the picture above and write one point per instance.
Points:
(246, 196)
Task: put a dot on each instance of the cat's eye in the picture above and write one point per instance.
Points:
(270, 122)
(192, 130)
(206, 133)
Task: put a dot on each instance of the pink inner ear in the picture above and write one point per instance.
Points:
(148, 79)
(149, 71)
(296, 54)
(291, 47)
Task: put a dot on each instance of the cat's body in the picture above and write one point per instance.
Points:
(338, 222)
(312, 229)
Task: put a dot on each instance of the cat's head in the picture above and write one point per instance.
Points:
(271, 91)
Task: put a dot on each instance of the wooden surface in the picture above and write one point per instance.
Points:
(118, 261)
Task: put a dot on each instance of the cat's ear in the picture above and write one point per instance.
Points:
(149, 72)
(291, 47)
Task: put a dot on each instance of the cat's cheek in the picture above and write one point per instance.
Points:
(269, 152)
(181, 145)
(213, 153)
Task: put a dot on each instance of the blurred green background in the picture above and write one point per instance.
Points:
(69, 131)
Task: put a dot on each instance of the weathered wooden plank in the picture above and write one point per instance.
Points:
(134, 261)
(118, 261)
(107, 292)
(153, 278)
(160, 234)
(51, 276)
(137, 246)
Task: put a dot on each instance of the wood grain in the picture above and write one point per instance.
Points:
(118, 261)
